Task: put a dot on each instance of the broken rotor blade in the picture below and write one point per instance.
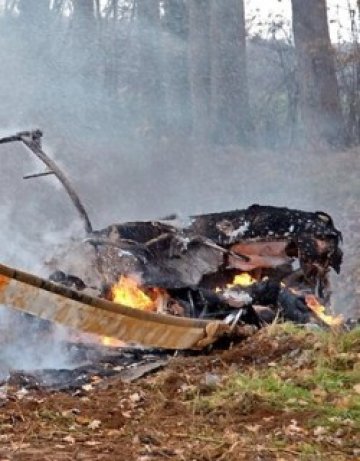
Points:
(56, 303)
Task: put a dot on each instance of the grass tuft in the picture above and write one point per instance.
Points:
(325, 385)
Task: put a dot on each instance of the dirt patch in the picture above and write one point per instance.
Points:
(186, 412)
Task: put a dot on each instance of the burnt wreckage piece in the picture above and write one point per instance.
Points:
(266, 300)
(311, 237)
(170, 255)
(189, 260)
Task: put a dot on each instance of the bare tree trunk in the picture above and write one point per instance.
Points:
(34, 29)
(149, 72)
(357, 83)
(230, 98)
(350, 77)
(176, 75)
(34, 9)
(319, 99)
(84, 11)
(112, 51)
(200, 67)
(84, 35)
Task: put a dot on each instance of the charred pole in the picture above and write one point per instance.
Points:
(32, 140)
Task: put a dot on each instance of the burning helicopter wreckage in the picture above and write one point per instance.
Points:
(179, 285)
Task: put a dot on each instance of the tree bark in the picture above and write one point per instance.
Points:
(230, 98)
(34, 10)
(149, 72)
(84, 11)
(319, 96)
(200, 67)
(85, 37)
(176, 76)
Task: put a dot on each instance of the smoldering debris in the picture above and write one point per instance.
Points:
(196, 268)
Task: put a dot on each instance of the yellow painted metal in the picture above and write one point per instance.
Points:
(56, 303)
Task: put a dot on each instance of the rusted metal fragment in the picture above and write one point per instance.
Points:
(260, 254)
(56, 303)
(175, 255)
(4, 282)
(314, 234)
(130, 375)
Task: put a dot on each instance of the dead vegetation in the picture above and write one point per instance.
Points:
(285, 393)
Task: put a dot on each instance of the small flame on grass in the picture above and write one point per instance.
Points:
(320, 312)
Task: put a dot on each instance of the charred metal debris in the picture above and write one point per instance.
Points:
(287, 254)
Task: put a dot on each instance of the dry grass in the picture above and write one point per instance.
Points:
(285, 393)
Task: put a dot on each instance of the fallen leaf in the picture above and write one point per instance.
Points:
(87, 387)
(357, 388)
(343, 403)
(135, 398)
(20, 446)
(3, 392)
(348, 422)
(293, 428)
(113, 433)
(212, 379)
(319, 394)
(20, 394)
(320, 430)
(83, 420)
(95, 424)
(118, 368)
(335, 419)
(253, 428)
(69, 413)
(91, 443)
(69, 439)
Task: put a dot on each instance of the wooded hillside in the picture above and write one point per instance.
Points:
(198, 68)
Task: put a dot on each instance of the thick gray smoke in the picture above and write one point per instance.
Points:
(122, 172)
(26, 346)
(84, 88)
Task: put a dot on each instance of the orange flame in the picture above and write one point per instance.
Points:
(319, 310)
(128, 292)
(107, 341)
(92, 338)
(244, 279)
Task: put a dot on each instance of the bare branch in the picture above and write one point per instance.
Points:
(38, 175)
(32, 140)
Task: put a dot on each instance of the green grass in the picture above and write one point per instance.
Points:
(349, 342)
(324, 387)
